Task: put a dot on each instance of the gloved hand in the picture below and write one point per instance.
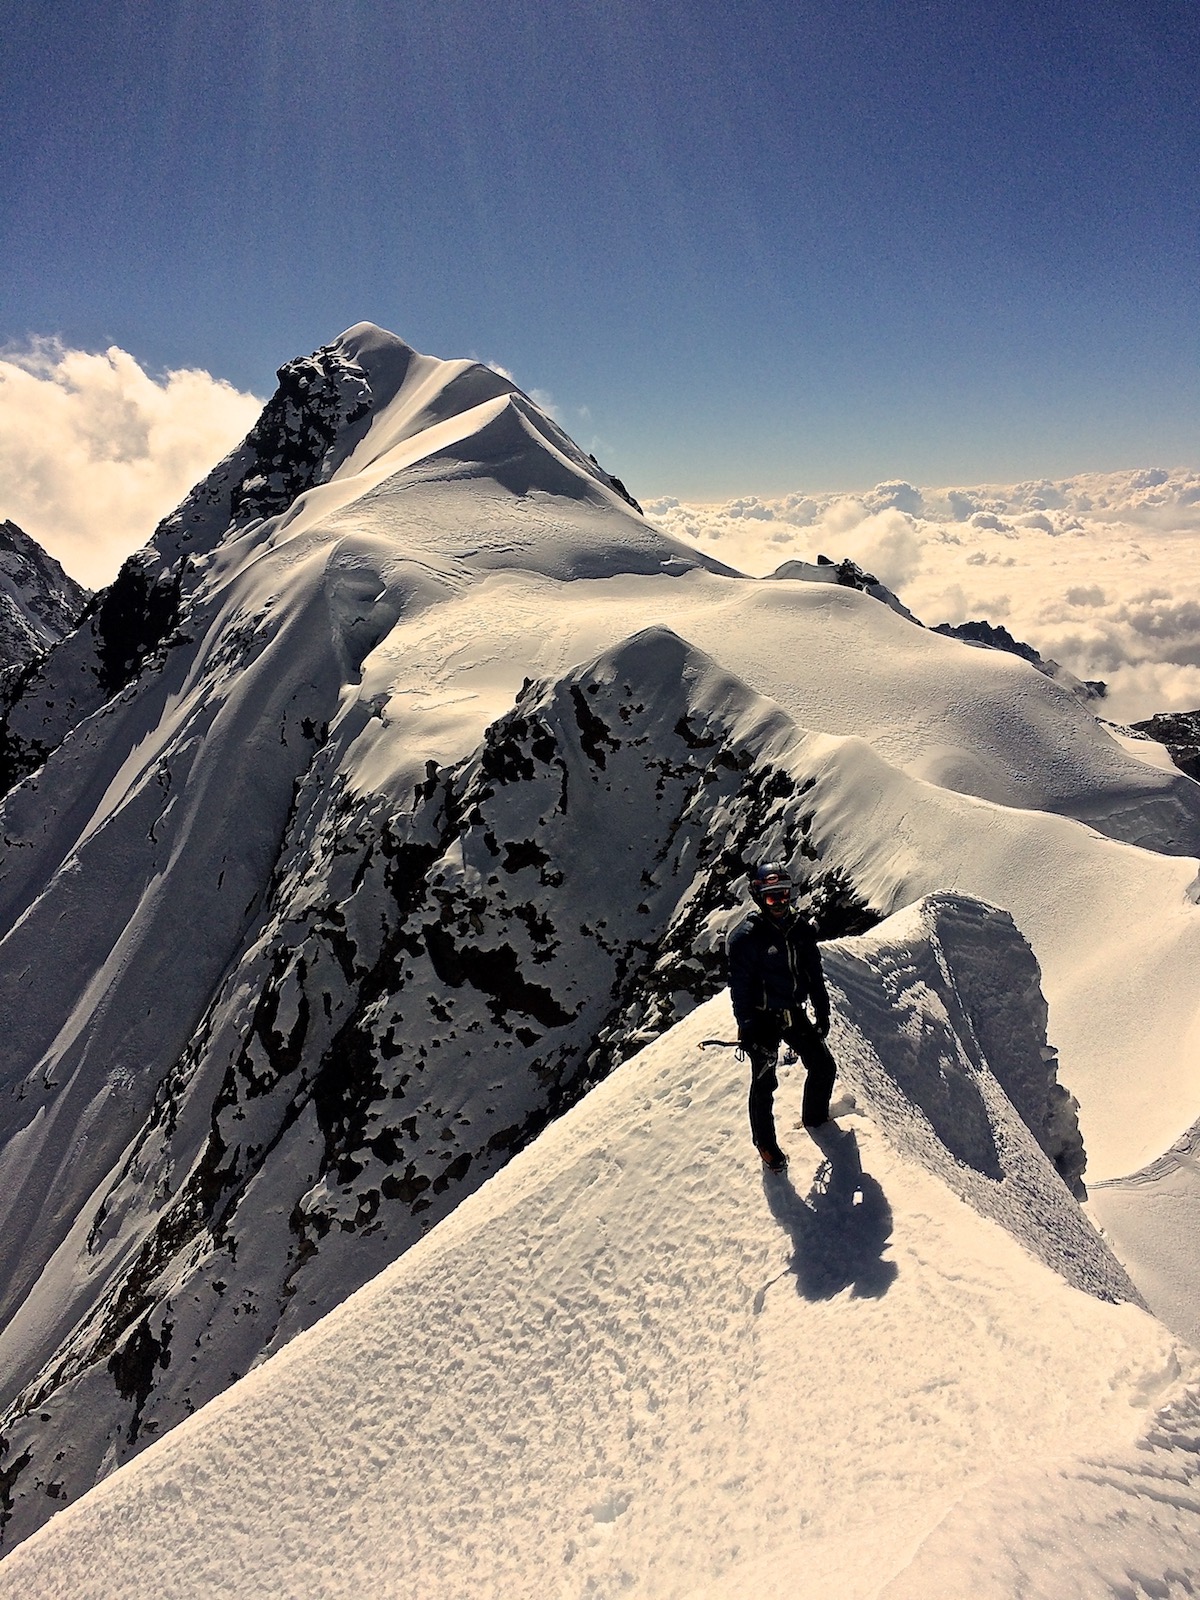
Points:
(822, 1027)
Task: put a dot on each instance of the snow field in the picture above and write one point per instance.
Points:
(1152, 1220)
(632, 1363)
(838, 661)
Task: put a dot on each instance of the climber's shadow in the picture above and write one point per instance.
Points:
(840, 1229)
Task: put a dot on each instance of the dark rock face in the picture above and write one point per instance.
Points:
(133, 617)
(994, 635)
(617, 486)
(39, 607)
(1180, 732)
(318, 398)
(430, 990)
(849, 574)
(310, 424)
(846, 574)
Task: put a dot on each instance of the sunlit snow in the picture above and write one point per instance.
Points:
(383, 811)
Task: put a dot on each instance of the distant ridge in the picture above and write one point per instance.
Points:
(39, 603)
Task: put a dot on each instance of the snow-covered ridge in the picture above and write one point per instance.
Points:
(991, 637)
(1100, 572)
(849, 575)
(629, 1362)
(428, 992)
(319, 401)
(428, 806)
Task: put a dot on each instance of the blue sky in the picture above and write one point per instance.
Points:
(783, 246)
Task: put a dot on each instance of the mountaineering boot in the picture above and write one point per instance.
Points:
(773, 1159)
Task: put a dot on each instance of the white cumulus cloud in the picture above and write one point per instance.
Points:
(94, 451)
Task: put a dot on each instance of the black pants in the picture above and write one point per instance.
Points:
(762, 1047)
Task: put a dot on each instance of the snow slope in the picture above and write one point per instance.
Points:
(633, 1364)
(1152, 1218)
(381, 816)
(425, 994)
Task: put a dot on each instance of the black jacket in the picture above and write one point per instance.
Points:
(775, 966)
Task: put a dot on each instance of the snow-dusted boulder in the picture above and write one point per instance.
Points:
(849, 575)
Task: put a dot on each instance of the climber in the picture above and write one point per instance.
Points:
(774, 973)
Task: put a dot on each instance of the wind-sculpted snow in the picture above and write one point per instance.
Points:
(1152, 1218)
(960, 1071)
(1115, 932)
(632, 1363)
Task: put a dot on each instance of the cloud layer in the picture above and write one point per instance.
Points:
(94, 451)
(1101, 572)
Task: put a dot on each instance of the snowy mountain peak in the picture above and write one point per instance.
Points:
(463, 411)
(320, 409)
(359, 412)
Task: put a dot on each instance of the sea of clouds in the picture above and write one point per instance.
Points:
(1100, 572)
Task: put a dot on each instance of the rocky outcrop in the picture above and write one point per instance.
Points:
(994, 636)
(1180, 732)
(39, 603)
